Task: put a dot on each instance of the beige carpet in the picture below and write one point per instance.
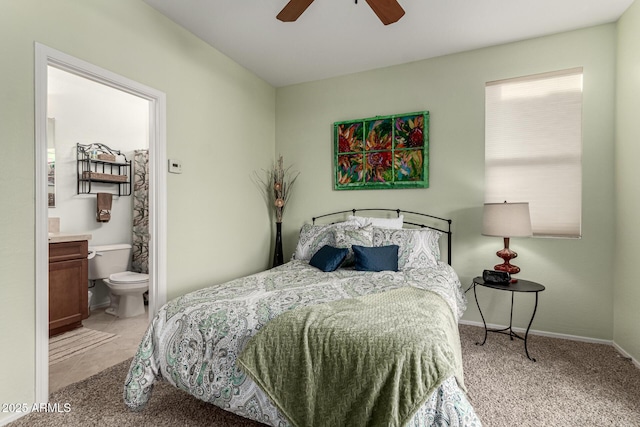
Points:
(572, 384)
(72, 343)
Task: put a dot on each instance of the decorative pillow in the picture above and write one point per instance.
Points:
(348, 236)
(419, 248)
(328, 258)
(378, 222)
(381, 258)
(313, 237)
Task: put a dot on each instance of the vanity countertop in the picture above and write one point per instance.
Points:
(66, 237)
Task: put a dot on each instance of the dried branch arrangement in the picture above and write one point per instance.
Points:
(276, 185)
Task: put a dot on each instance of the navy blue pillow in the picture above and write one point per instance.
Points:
(328, 258)
(379, 258)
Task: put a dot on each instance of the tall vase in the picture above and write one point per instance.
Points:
(278, 256)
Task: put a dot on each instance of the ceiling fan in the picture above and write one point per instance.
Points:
(389, 11)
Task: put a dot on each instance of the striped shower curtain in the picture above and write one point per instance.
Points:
(140, 258)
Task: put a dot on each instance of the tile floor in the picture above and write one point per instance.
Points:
(91, 362)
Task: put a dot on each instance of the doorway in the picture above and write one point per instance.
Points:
(45, 58)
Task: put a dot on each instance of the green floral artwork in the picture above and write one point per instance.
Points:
(382, 152)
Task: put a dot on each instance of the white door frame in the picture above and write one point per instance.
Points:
(45, 56)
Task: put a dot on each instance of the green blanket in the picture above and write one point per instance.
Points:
(367, 361)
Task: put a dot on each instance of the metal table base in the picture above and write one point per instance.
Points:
(509, 329)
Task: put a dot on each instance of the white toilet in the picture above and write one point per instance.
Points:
(110, 264)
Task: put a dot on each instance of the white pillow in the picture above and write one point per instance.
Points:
(362, 221)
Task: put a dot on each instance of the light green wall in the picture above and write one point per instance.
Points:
(577, 273)
(220, 123)
(627, 289)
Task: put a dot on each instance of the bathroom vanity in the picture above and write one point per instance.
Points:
(68, 282)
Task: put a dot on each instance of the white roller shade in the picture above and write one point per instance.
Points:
(533, 148)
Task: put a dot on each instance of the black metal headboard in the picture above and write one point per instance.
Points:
(409, 221)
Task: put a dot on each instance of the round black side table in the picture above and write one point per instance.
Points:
(519, 286)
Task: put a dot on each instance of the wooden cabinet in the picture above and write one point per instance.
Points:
(68, 286)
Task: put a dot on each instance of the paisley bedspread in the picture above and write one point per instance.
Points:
(194, 340)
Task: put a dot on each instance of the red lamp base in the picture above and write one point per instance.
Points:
(507, 255)
(508, 267)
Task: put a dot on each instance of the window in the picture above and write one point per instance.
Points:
(533, 148)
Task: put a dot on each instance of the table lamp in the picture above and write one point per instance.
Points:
(506, 220)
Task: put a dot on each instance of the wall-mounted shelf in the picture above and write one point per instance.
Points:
(98, 163)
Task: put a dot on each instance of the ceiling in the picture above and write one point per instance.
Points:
(337, 37)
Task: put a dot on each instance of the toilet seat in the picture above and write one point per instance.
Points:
(128, 277)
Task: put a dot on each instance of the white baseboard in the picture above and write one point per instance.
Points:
(625, 354)
(557, 335)
(12, 418)
(541, 333)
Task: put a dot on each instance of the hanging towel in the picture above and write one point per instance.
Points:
(103, 213)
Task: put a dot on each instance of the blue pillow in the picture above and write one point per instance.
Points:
(328, 258)
(380, 258)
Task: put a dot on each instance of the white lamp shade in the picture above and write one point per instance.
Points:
(506, 220)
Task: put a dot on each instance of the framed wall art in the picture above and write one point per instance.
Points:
(382, 152)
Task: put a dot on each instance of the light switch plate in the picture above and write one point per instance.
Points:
(175, 166)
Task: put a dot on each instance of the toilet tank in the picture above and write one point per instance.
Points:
(108, 259)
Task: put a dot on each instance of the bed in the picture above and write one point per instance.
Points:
(300, 346)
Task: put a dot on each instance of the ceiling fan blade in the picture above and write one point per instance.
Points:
(293, 10)
(389, 11)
